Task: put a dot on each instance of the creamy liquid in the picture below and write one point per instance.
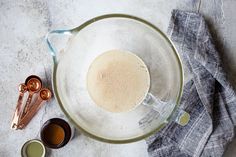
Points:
(34, 149)
(118, 80)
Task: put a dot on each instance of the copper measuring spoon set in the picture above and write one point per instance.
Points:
(24, 113)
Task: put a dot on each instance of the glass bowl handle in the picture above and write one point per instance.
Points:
(53, 51)
(163, 108)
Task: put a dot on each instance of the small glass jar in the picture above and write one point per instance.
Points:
(33, 148)
(56, 133)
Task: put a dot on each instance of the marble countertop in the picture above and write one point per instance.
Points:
(23, 52)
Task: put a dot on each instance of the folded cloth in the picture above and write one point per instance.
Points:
(208, 97)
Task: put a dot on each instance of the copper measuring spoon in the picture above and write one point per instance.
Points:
(34, 84)
(44, 95)
(17, 114)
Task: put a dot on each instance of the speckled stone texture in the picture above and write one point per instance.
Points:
(23, 25)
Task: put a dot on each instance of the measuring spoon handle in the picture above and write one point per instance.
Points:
(30, 113)
(27, 104)
(17, 113)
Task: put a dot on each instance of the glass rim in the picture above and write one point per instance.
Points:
(132, 139)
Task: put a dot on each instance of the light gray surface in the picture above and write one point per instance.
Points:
(23, 52)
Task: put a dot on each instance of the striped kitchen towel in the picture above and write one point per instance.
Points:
(208, 96)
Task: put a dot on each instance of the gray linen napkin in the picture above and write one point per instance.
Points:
(208, 97)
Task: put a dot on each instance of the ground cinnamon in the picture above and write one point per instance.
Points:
(54, 134)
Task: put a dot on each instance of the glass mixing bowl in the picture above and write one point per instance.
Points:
(129, 33)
